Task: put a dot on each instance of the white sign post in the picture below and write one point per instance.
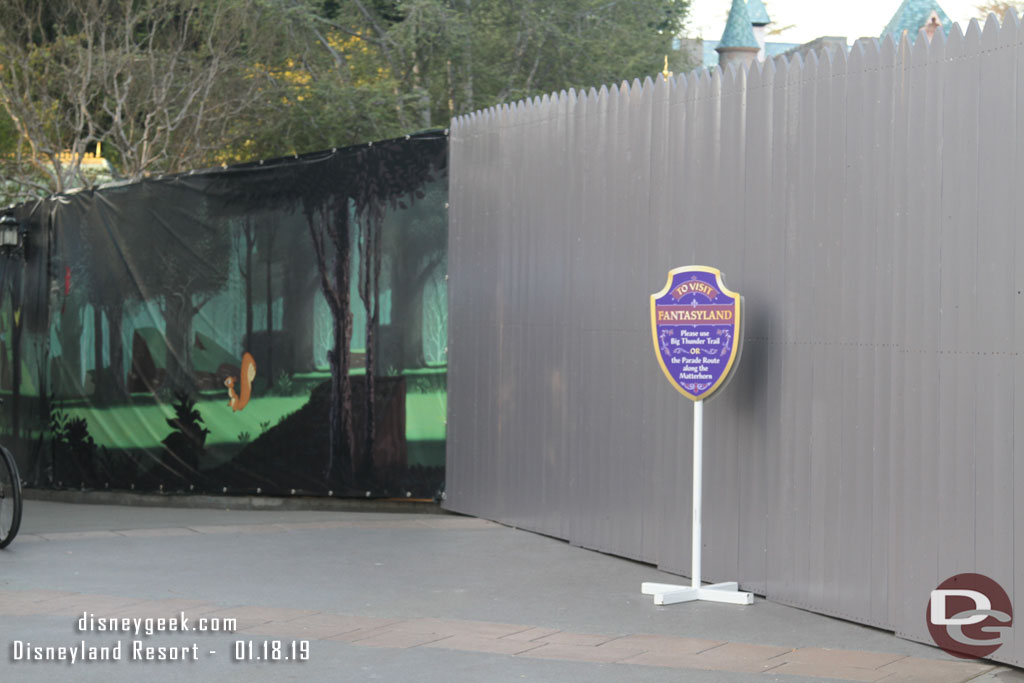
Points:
(669, 594)
(696, 324)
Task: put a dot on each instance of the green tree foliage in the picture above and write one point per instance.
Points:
(441, 58)
(158, 82)
(170, 85)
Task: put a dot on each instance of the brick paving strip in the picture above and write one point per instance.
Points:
(534, 642)
(440, 523)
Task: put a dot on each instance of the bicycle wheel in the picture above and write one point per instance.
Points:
(10, 498)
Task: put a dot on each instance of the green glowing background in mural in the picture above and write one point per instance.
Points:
(215, 330)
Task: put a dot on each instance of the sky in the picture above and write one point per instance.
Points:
(815, 18)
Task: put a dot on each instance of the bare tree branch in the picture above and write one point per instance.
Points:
(150, 78)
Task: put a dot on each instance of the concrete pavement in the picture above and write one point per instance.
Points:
(356, 596)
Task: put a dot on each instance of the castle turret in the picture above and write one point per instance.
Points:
(759, 19)
(738, 45)
(914, 15)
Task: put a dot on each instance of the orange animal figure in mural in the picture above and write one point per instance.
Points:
(248, 373)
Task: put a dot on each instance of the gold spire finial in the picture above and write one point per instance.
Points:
(665, 72)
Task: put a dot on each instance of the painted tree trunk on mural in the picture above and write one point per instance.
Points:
(331, 243)
(112, 381)
(269, 372)
(178, 312)
(70, 336)
(250, 242)
(300, 288)
(97, 348)
(413, 273)
(369, 292)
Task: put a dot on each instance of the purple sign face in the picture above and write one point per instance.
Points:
(695, 321)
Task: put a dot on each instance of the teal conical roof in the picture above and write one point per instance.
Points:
(911, 17)
(757, 13)
(738, 30)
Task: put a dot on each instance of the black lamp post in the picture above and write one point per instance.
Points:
(12, 236)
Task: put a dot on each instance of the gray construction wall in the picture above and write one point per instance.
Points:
(866, 206)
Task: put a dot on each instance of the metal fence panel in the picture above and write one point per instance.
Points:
(865, 205)
(1015, 140)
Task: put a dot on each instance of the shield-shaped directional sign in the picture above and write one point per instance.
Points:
(696, 324)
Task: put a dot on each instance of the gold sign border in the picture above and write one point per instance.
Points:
(737, 329)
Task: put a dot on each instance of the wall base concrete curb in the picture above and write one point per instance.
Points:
(411, 506)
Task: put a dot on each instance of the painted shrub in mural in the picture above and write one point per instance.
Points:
(267, 327)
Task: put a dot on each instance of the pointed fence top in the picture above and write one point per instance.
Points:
(738, 30)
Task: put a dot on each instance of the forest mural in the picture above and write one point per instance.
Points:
(276, 327)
